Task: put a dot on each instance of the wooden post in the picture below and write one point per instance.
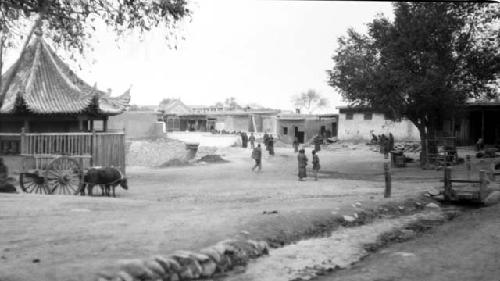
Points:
(482, 125)
(22, 142)
(483, 185)
(467, 165)
(387, 173)
(105, 125)
(80, 125)
(447, 184)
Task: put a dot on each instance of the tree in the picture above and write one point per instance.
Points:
(231, 104)
(422, 66)
(309, 101)
(71, 23)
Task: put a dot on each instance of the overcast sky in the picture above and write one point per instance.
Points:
(256, 51)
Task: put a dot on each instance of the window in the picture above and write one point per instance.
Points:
(285, 130)
(367, 116)
(348, 116)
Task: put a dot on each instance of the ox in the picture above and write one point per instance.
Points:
(107, 177)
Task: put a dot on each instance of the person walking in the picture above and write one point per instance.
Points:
(252, 140)
(316, 165)
(257, 156)
(270, 145)
(296, 144)
(302, 161)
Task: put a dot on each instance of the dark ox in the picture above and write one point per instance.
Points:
(106, 177)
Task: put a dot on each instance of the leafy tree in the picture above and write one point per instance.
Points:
(422, 66)
(231, 104)
(71, 23)
(309, 101)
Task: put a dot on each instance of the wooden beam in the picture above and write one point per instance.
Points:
(482, 125)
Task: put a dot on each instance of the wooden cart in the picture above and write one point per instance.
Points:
(55, 163)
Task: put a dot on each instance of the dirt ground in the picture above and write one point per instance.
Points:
(66, 237)
(467, 248)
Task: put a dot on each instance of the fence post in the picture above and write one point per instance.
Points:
(483, 185)
(467, 165)
(387, 174)
(447, 184)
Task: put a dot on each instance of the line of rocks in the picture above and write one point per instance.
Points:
(186, 265)
(228, 254)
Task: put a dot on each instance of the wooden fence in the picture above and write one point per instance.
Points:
(103, 149)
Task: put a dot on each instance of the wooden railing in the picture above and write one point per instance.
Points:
(103, 148)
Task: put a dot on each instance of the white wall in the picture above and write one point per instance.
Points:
(360, 129)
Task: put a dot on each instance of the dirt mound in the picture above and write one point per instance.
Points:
(212, 158)
(175, 163)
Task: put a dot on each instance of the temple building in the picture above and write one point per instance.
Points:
(41, 94)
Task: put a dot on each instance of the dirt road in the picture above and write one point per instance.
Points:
(66, 237)
(465, 249)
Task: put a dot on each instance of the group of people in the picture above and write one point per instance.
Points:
(301, 157)
(386, 143)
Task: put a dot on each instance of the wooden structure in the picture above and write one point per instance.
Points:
(479, 120)
(49, 120)
(474, 191)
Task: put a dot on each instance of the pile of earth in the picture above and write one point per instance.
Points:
(212, 158)
(175, 163)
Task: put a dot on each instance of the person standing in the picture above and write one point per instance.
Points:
(265, 138)
(257, 156)
(302, 161)
(252, 140)
(245, 140)
(270, 145)
(5, 185)
(296, 144)
(391, 142)
(317, 142)
(316, 165)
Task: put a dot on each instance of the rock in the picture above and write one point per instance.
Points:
(356, 205)
(208, 268)
(349, 218)
(493, 198)
(125, 276)
(401, 208)
(174, 277)
(189, 265)
(432, 205)
(137, 269)
(156, 268)
(212, 253)
(163, 262)
(407, 234)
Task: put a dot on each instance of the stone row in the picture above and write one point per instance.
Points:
(186, 265)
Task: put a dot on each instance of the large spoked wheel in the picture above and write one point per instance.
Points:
(32, 183)
(63, 176)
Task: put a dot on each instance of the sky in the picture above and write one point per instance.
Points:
(258, 51)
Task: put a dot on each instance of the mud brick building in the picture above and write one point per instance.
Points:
(358, 124)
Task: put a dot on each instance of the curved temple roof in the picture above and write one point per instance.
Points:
(44, 84)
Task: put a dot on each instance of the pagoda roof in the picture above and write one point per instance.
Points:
(41, 83)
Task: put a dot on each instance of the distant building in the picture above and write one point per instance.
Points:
(181, 117)
(359, 123)
(304, 127)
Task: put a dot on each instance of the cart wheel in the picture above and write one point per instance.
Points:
(63, 176)
(32, 183)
